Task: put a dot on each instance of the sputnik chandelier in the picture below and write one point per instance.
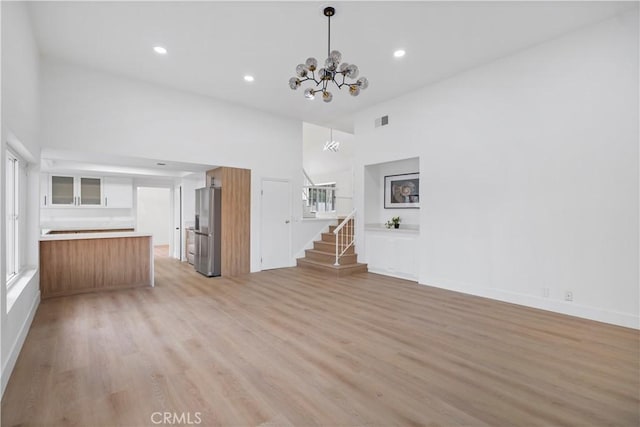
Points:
(333, 71)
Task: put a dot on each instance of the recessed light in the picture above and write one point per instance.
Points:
(160, 50)
(248, 78)
(399, 53)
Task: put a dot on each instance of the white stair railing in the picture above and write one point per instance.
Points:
(318, 197)
(321, 198)
(307, 183)
(345, 235)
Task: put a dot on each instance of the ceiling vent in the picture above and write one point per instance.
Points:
(382, 121)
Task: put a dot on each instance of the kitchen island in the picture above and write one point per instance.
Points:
(72, 263)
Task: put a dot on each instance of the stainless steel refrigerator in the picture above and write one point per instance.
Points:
(207, 231)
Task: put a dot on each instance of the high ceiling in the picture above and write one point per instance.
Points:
(212, 45)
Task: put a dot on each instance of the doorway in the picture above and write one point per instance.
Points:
(154, 216)
(275, 224)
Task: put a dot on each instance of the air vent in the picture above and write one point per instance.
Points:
(382, 121)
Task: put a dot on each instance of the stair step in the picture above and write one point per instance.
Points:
(328, 237)
(336, 271)
(330, 257)
(332, 228)
(330, 247)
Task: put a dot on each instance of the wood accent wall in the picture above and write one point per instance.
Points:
(236, 218)
(88, 265)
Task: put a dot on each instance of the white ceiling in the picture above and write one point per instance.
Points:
(212, 45)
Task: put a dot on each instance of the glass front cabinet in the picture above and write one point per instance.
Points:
(69, 190)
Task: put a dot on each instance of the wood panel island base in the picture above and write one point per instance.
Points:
(79, 263)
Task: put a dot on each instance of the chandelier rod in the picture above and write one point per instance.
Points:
(329, 37)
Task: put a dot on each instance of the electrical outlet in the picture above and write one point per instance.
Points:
(545, 292)
(568, 296)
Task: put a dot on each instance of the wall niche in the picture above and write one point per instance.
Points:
(375, 214)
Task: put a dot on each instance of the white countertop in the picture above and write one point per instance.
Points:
(84, 236)
(404, 228)
(58, 227)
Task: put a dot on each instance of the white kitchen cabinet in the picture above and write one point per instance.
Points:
(118, 192)
(45, 200)
(70, 190)
(392, 252)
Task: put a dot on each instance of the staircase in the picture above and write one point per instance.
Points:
(323, 255)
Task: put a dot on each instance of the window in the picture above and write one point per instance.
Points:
(12, 208)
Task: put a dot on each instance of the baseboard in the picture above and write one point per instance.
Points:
(569, 308)
(7, 369)
(397, 275)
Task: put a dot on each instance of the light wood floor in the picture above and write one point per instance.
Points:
(161, 251)
(288, 348)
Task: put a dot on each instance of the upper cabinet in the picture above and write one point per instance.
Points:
(69, 190)
(90, 193)
(59, 190)
(118, 192)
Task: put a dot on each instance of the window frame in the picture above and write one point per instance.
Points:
(12, 207)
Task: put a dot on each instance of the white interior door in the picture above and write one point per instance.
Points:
(276, 224)
(178, 241)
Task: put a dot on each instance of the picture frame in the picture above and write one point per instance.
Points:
(402, 191)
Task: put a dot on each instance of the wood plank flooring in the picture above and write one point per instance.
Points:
(291, 348)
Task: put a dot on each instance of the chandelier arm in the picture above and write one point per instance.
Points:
(313, 77)
(310, 78)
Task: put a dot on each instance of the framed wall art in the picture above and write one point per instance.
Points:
(402, 191)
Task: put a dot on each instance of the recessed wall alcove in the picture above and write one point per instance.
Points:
(374, 212)
(393, 252)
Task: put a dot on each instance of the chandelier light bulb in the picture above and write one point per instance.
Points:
(301, 70)
(352, 71)
(332, 72)
(311, 63)
(294, 83)
(309, 94)
(329, 64)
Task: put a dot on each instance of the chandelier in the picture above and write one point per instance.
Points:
(333, 71)
(331, 144)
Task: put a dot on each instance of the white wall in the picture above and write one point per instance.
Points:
(20, 102)
(529, 173)
(85, 110)
(153, 213)
(328, 166)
